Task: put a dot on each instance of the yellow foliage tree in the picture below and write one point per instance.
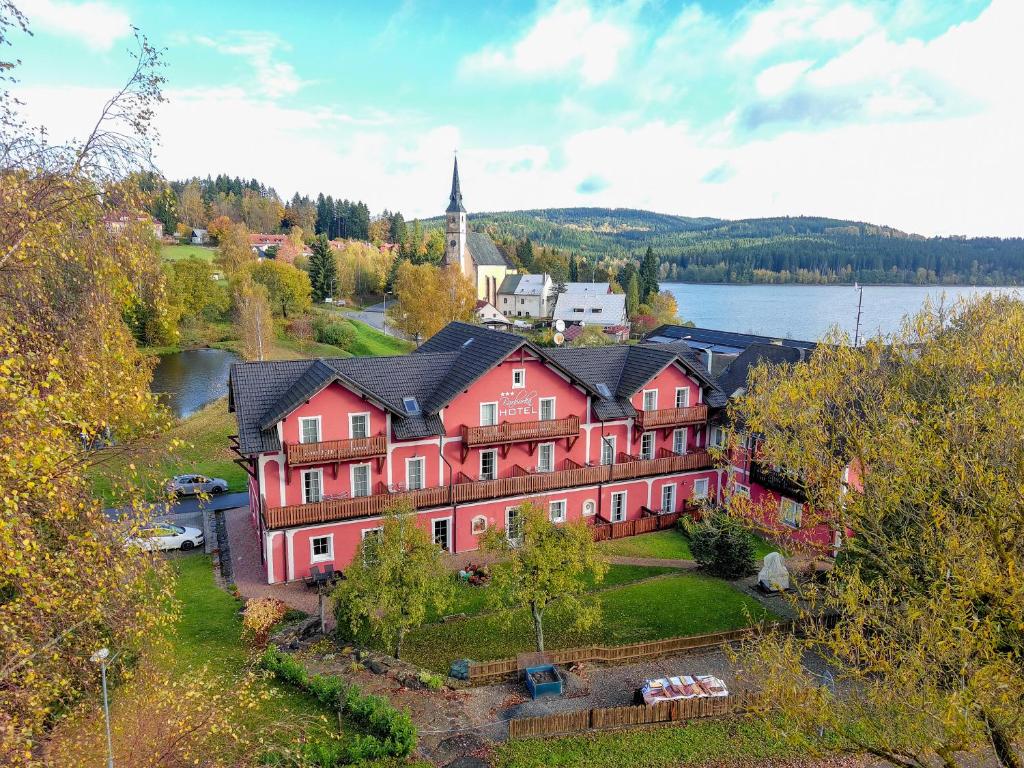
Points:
(928, 651)
(429, 297)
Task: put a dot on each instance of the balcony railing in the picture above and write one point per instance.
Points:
(515, 431)
(672, 417)
(778, 480)
(335, 450)
(516, 482)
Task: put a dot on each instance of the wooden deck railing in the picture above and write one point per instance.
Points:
(515, 431)
(672, 417)
(519, 482)
(335, 450)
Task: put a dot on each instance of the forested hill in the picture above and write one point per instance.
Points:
(785, 249)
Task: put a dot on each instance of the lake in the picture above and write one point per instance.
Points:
(806, 312)
(190, 379)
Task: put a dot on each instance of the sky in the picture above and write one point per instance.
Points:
(899, 112)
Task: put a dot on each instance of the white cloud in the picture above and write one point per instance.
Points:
(95, 23)
(570, 37)
(781, 77)
(259, 49)
(785, 22)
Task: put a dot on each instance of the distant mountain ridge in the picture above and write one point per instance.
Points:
(810, 249)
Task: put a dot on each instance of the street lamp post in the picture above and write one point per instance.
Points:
(385, 313)
(100, 657)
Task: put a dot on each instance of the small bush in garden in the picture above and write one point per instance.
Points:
(721, 545)
(259, 617)
(338, 333)
(433, 681)
(300, 328)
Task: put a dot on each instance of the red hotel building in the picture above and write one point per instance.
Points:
(465, 429)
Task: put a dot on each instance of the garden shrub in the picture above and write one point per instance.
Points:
(392, 732)
(338, 333)
(721, 545)
(433, 681)
(259, 617)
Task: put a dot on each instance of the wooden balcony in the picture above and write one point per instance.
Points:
(520, 431)
(517, 482)
(331, 510)
(777, 480)
(672, 417)
(300, 454)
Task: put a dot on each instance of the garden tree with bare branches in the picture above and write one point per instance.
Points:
(395, 579)
(929, 646)
(544, 565)
(429, 297)
(71, 379)
(253, 322)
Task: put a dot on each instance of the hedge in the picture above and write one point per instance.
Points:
(391, 731)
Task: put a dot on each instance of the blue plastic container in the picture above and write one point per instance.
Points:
(549, 688)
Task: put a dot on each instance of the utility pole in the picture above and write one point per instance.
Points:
(100, 657)
(860, 301)
(385, 313)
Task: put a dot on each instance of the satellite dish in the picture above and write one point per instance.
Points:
(559, 339)
(559, 325)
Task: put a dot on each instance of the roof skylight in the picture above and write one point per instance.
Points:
(412, 405)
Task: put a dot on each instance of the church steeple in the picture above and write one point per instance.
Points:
(455, 199)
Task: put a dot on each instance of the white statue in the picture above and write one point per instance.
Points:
(773, 577)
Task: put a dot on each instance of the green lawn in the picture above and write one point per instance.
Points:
(668, 606)
(669, 544)
(732, 741)
(205, 449)
(370, 341)
(178, 252)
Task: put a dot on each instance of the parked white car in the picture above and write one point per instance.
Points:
(191, 485)
(164, 536)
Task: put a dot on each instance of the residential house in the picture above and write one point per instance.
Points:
(199, 236)
(592, 288)
(486, 314)
(525, 296)
(607, 310)
(465, 430)
(118, 222)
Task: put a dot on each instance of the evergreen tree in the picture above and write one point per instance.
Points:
(648, 276)
(323, 274)
(398, 229)
(633, 296)
(626, 272)
(524, 253)
(574, 274)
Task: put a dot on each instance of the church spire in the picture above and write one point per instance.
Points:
(455, 199)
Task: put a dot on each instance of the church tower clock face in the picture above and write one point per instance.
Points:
(452, 243)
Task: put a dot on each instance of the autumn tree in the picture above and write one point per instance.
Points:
(323, 272)
(592, 336)
(191, 207)
(543, 565)
(287, 287)
(396, 578)
(261, 213)
(235, 251)
(71, 381)
(663, 307)
(427, 298)
(913, 443)
(195, 291)
(253, 322)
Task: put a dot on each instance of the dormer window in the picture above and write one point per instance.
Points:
(518, 378)
(411, 405)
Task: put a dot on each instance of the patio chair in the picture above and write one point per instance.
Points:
(314, 576)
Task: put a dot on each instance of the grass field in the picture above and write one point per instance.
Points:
(178, 252)
(667, 606)
(733, 741)
(670, 544)
(205, 450)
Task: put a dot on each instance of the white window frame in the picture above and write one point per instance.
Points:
(700, 483)
(676, 448)
(422, 462)
(540, 408)
(319, 483)
(564, 507)
(447, 546)
(303, 420)
(620, 495)
(351, 424)
(364, 535)
(608, 441)
(739, 489)
(315, 558)
(518, 378)
(509, 511)
(540, 453)
(672, 506)
(654, 405)
(785, 502)
(352, 480)
(474, 528)
(493, 452)
(685, 392)
(647, 445)
(495, 422)
(717, 437)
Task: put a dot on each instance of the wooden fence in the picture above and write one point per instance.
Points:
(608, 718)
(491, 671)
(646, 524)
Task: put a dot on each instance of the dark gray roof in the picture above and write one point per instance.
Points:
(719, 341)
(734, 377)
(484, 251)
(509, 284)
(455, 198)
